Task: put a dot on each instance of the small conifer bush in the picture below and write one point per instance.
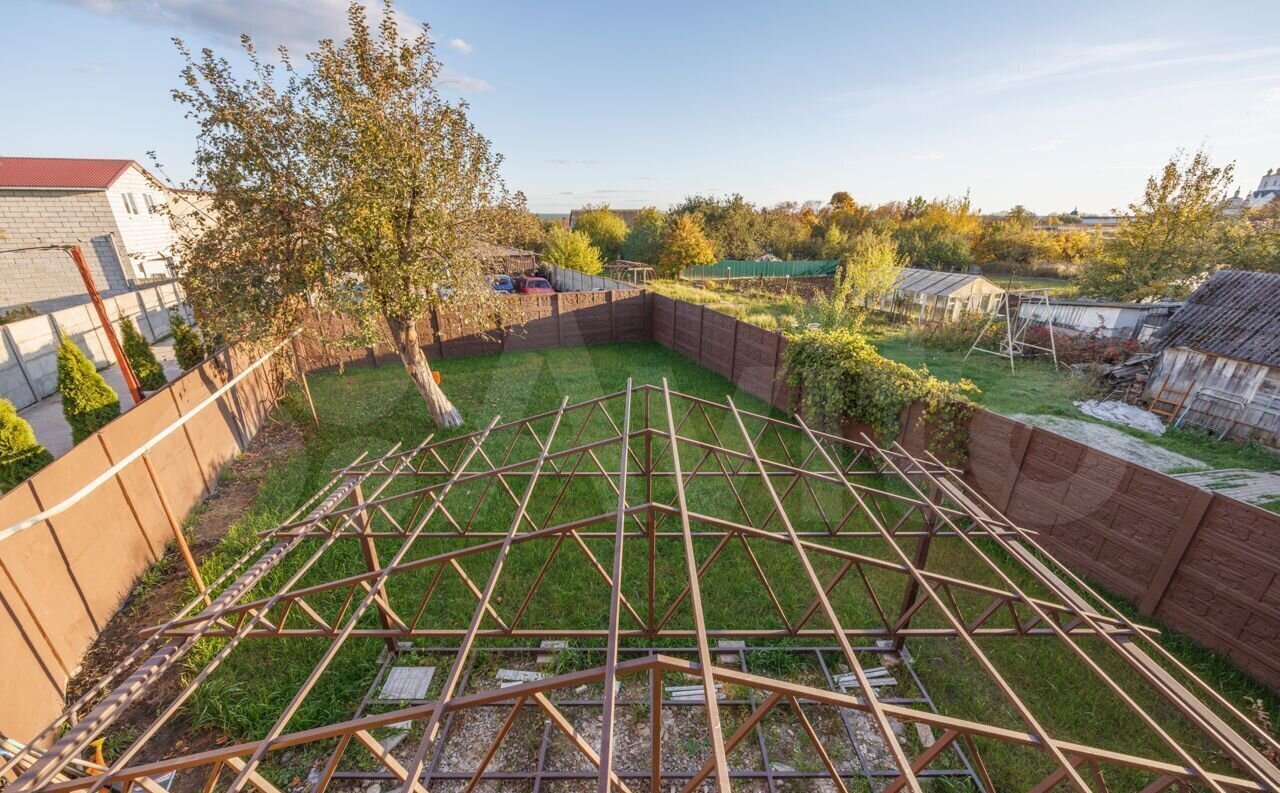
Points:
(20, 454)
(87, 401)
(141, 359)
(188, 345)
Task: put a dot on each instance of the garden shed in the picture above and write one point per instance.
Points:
(1220, 357)
(933, 296)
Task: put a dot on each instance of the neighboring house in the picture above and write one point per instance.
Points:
(109, 207)
(934, 296)
(1110, 320)
(509, 260)
(1222, 348)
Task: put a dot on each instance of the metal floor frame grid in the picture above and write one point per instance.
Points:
(786, 496)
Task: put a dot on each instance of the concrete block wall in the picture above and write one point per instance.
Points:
(28, 361)
(47, 279)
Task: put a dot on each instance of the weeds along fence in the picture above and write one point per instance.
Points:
(76, 536)
(28, 347)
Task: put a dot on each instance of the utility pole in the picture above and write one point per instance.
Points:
(123, 362)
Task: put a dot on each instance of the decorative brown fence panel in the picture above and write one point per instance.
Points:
(61, 580)
(531, 323)
(522, 322)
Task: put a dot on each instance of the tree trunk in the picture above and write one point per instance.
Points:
(405, 336)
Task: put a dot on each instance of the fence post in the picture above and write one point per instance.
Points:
(1015, 467)
(1192, 518)
(176, 527)
(613, 316)
(733, 353)
(555, 310)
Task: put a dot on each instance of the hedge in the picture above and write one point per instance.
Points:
(20, 454)
(87, 401)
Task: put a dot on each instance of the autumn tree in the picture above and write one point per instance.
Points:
(684, 245)
(350, 185)
(572, 249)
(644, 238)
(938, 234)
(604, 228)
(1175, 233)
(729, 223)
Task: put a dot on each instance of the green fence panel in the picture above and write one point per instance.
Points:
(734, 268)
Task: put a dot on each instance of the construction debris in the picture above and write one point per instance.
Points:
(407, 683)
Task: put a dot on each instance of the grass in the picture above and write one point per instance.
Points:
(370, 409)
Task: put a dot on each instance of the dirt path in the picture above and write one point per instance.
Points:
(160, 592)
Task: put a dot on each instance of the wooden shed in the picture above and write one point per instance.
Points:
(933, 296)
(1220, 357)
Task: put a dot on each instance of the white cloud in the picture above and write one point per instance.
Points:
(298, 24)
(1048, 145)
(464, 84)
(461, 45)
(928, 155)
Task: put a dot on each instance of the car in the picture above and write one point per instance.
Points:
(502, 284)
(534, 286)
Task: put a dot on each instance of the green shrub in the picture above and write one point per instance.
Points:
(87, 401)
(840, 376)
(141, 359)
(188, 345)
(20, 454)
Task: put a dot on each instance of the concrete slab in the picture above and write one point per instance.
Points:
(406, 683)
(1114, 441)
(52, 430)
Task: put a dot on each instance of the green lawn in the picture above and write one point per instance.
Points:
(370, 409)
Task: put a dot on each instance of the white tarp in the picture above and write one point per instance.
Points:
(1122, 413)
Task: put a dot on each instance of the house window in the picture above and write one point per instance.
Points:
(130, 204)
(150, 202)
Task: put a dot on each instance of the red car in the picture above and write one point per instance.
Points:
(534, 286)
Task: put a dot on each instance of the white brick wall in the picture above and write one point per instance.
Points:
(48, 279)
(147, 237)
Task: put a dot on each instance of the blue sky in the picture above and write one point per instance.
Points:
(1048, 105)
